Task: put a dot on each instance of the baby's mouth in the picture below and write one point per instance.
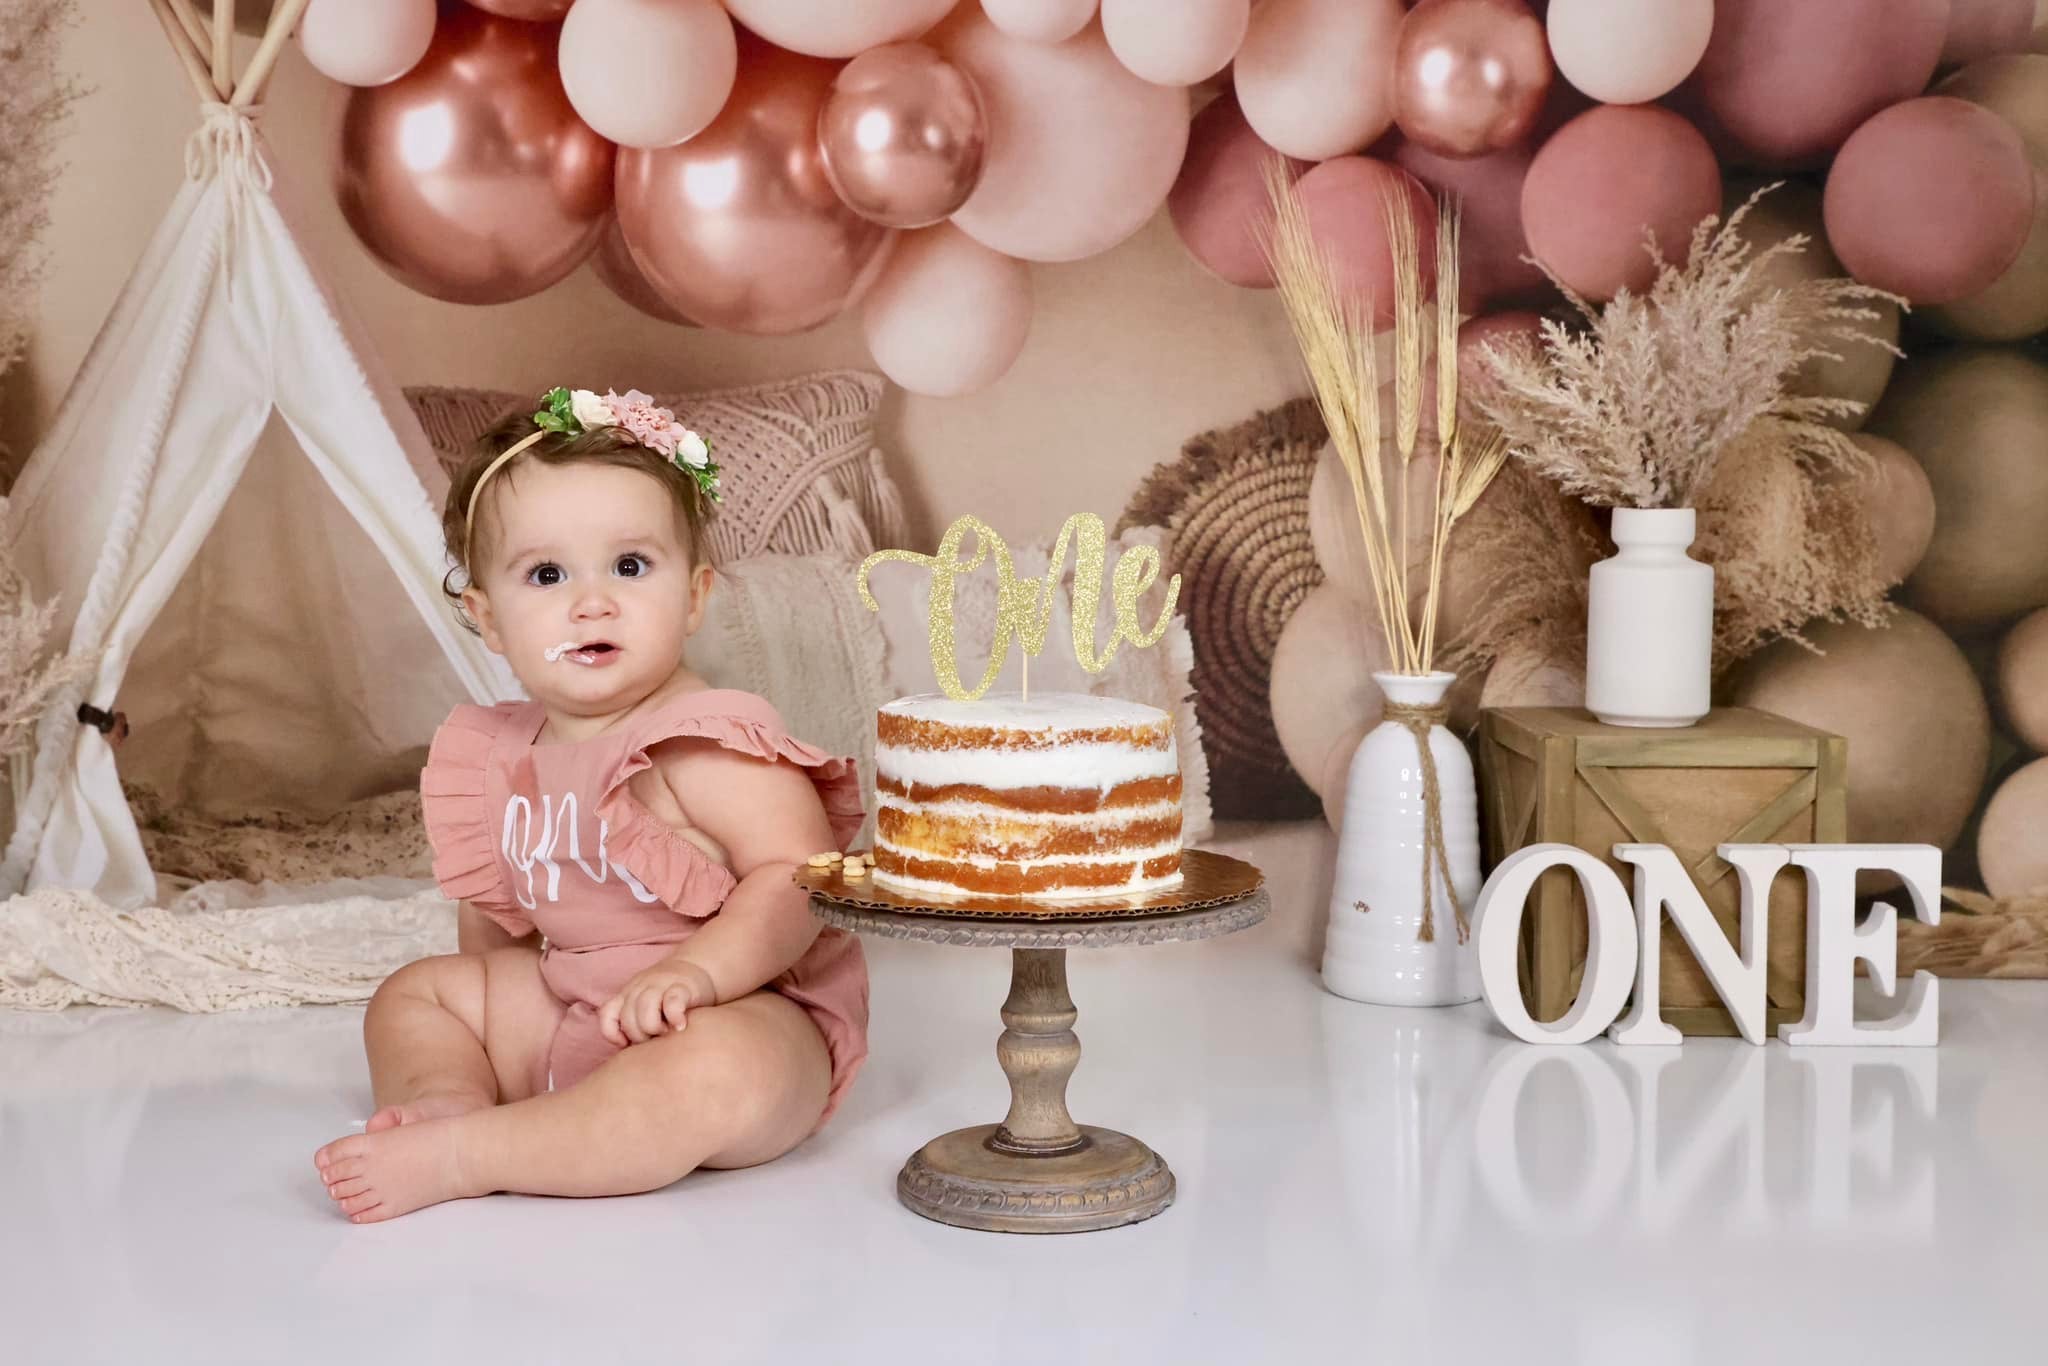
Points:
(582, 652)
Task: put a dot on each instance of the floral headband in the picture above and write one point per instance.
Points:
(572, 412)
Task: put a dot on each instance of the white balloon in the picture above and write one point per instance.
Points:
(1628, 51)
(1175, 42)
(647, 73)
(947, 316)
(1315, 78)
(366, 42)
(838, 28)
(1040, 21)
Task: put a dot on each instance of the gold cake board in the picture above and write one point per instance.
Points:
(1038, 1171)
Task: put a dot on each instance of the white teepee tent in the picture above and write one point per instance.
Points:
(271, 642)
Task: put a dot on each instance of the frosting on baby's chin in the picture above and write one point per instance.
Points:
(555, 652)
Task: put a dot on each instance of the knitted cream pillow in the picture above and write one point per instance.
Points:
(802, 472)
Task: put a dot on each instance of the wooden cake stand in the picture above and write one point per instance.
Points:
(1038, 1171)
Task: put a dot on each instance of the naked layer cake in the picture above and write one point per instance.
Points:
(1064, 795)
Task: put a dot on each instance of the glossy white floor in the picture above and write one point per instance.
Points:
(1356, 1184)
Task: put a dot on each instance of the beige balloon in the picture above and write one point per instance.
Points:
(2023, 681)
(1909, 705)
(1899, 501)
(2011, 854)
(1524, 678)
(1862, 369)
(1974, 417)
(947, 316)
(2013, 86)
(1315, 78)
(1340, 544)
(2014, 306)
(1322, 686)
(1335, 783)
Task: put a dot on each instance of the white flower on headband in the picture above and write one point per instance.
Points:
(692, 450)
(591, 410)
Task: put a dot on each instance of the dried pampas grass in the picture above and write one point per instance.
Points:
(1535, 545)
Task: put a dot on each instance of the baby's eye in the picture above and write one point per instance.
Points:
(631, 566)
(545, 575)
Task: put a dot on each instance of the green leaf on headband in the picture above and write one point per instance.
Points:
(559, 416)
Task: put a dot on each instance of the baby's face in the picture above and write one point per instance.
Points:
(588, 590)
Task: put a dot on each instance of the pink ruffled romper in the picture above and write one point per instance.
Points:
(548, 836)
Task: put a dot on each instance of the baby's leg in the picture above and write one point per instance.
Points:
(743, 1083)
(455, 1033)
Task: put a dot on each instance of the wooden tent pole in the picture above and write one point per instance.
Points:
(189, 19)
(283, 19)
(188, 53)
(224, 47)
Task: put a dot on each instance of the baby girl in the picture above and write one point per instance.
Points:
(679, 1006)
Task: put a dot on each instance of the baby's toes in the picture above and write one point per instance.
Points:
(361, 1203)
(352, 1186)
(354, 1145)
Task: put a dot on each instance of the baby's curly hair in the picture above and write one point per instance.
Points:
(598, 446)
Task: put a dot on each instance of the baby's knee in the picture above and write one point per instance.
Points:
(439, 980)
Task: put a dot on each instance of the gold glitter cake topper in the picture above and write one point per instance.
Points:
(1024, 609)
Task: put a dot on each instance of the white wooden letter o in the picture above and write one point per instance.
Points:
(1610, 943)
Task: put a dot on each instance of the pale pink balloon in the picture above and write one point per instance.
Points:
(366, 42)
(613, 265)
(1039, 21)
(903, 134)
(738, 227)
(1342, 200)
(1219, 201)
(1080, 151)
(838, 28)
(648, 73)
(470, 178)
(529, 10)
(1316, 77)
(1787, 83)
(947, 316)
(1932, 199)
(1470, 76)
(1625, 51)
(1986, 28)
(1606, 177)
(1492, 249)
(1175, 42)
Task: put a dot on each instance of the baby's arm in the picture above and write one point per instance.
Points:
(768, 818)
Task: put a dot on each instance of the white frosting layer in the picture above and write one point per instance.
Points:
(1137, 883)
(986, 862)
(1102, 818)
(1099, 766)
(1045, 711)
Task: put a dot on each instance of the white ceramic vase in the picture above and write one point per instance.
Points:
(1374, 951)
(1650, 623)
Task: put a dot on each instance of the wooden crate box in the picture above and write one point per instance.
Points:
(1558, 776)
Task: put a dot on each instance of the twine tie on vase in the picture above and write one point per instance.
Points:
(1419, 720)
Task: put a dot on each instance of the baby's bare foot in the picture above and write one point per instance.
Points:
(437, 1105)
(377, 1176)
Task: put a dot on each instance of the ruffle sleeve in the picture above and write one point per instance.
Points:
(677, 869)
(458, 815)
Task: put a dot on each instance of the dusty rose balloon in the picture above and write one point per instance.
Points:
(1605, 177)
(903, 133)
(947, 316)
(524, 9)
(1175, 42)
(1342, 200)
(470, 178)
(838, 28)
(2015, 305)
(738, 227)
(366, 42)
(1039, 21)
(1492, 249)
(647, 73)
(1787, 83)
(1316, 77)
(1986, 28)
(1931, 199)
(1470, 75)
(1219, 200)
(1080, 151)
(2010, 852)
(1625, 51)
(612, 263)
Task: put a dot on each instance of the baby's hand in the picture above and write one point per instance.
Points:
(655, 1002)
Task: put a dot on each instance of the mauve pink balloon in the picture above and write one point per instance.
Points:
(1220, 197)
(1080, 151)
(947, 316)
(1470, 75)
(1491, 244)
(470, 178)
(366, 42)
(903, 134)
(528, 10)
(1605, 177)
(1342, 200)
(738, 227)
(1986, 28)
(1787, 82)
(1932, 199)
(612, 263)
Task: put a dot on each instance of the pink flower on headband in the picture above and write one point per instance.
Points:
(653, 427)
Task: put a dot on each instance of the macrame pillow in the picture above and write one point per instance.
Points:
(802, 472)
(1235, 509)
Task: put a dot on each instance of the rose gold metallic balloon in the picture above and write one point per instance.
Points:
(739, 227)
(612, 263)
(903, 132)
(470, 178)
(1470, 75)
(524, 9)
